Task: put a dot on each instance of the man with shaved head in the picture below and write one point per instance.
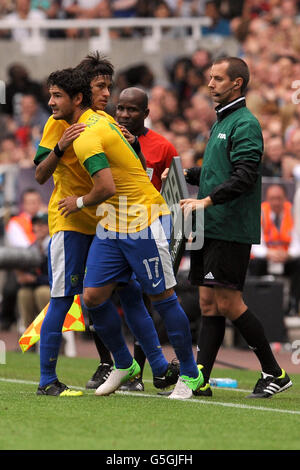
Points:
(132, 110)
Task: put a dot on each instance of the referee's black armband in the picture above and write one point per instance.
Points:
(242, 179)
(136, 145)
(193, 175)
(59, 153)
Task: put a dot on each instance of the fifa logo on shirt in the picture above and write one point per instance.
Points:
(221, 136)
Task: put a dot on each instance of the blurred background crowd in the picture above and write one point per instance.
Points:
(268, 37)
(268, 33)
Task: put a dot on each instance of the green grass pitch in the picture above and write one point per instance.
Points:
(140, 421)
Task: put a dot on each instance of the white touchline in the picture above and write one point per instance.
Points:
(190, 400)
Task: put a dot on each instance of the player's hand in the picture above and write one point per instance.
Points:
(68, 205)
(70, 135)
(130, 137)
(189, 205)
(164, 174)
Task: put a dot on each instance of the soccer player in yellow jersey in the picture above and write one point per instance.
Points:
(132, 237)
(71, 237)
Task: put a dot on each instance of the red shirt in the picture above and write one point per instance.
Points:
(158, 152)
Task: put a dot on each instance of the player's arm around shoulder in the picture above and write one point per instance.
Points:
(90, 152)
(55, 140)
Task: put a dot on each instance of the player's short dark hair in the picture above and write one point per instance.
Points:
(236, 68)
(72, 81)
(96, 64)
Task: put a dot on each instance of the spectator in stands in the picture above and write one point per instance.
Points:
(86, 8)
(6, 6)
(10, 152)
(162, 10)
(124, 8)
(141, 76)
(31, 113)
(22, 11)
(272, 158)
(291, 163)
(19, 230)
(230, 9)
(170, 106)
(178, 75)
(201, 58)
(279, 250)
(53, 11)
(202, 109)
(220, 26)
(19, 84)
(255, 8)
(34, 292)
(187, 8)
(19, 233)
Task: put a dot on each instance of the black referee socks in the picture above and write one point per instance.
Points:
(252, 331)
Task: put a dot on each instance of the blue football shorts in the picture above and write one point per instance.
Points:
(117, 257)
(67, 254)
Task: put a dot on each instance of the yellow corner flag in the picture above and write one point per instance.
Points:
(74, 321)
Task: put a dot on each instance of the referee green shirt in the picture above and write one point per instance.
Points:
(230, 175)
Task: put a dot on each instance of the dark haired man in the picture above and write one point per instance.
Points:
(132, 237)
(99, 71)
(230, 194)
(132, 110)
(71, 236)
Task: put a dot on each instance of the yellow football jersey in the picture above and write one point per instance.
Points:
(70, 178)
(136, 203)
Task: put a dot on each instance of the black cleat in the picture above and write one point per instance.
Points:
(204, 391)
(58, 389)
(170, 377)
(268, 385)
(100, 376)
(135, 385)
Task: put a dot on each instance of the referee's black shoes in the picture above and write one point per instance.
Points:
(268, 385)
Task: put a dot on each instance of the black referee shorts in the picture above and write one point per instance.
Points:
(220, 263)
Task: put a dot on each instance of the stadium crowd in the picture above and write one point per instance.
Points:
(181, 110)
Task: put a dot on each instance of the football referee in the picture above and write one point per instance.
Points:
(230, 193)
